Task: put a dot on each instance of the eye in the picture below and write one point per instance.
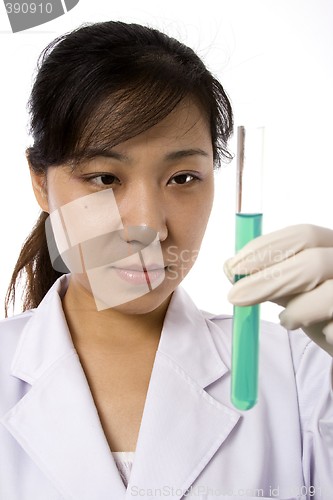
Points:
(103, 180)
(183, 179)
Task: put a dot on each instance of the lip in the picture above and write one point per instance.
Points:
(148, 267)
(136, 276)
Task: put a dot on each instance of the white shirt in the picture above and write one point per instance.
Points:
(192, 442)
(124, 462)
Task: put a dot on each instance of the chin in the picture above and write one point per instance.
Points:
(147, 303)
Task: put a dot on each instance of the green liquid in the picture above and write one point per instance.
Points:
(246, 324)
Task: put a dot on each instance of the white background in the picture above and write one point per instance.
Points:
(274, 58)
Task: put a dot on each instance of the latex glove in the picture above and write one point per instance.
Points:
(292, 267)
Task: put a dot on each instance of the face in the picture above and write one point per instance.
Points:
(161, 180)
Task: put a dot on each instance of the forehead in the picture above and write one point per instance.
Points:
(185, 125)
(127, 125)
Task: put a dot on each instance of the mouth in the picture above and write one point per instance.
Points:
(141, 276)
(139, 268)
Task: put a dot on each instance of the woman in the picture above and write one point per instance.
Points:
(112, 377)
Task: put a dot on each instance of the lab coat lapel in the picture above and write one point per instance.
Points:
(183, 425)
(56, 422)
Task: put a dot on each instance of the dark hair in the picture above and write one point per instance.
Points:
(96, 87)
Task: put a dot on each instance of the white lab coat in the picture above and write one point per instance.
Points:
(192, 442)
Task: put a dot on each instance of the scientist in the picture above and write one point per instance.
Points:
(113, 385)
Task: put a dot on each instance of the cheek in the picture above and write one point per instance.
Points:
(62, 188)
(199, 211)
(191, 221)
(56, 189)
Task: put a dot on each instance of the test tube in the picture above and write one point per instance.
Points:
(246, 319)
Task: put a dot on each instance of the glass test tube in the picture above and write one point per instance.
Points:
(246, 319)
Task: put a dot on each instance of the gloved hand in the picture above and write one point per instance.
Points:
(292, 267)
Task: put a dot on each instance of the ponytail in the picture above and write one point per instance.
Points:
(34, 261)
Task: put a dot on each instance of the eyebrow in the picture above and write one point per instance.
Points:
(174, 155)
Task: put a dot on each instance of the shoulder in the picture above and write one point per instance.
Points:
(275, 340)
(224, 322)
(14, 325)
(11, 331)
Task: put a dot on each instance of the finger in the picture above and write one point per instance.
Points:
(298, 274)
(328, 332)
(282, 301)
(317, 334)
(309, 307)
(277, 246)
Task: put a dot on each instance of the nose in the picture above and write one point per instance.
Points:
(144, 235)
(143, 213)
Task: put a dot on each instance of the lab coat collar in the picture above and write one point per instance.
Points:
(45, 338)
(185, 338)
(57, 423)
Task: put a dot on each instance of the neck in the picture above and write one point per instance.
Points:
(110, 327)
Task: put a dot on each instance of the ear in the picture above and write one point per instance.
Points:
(39, 185)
